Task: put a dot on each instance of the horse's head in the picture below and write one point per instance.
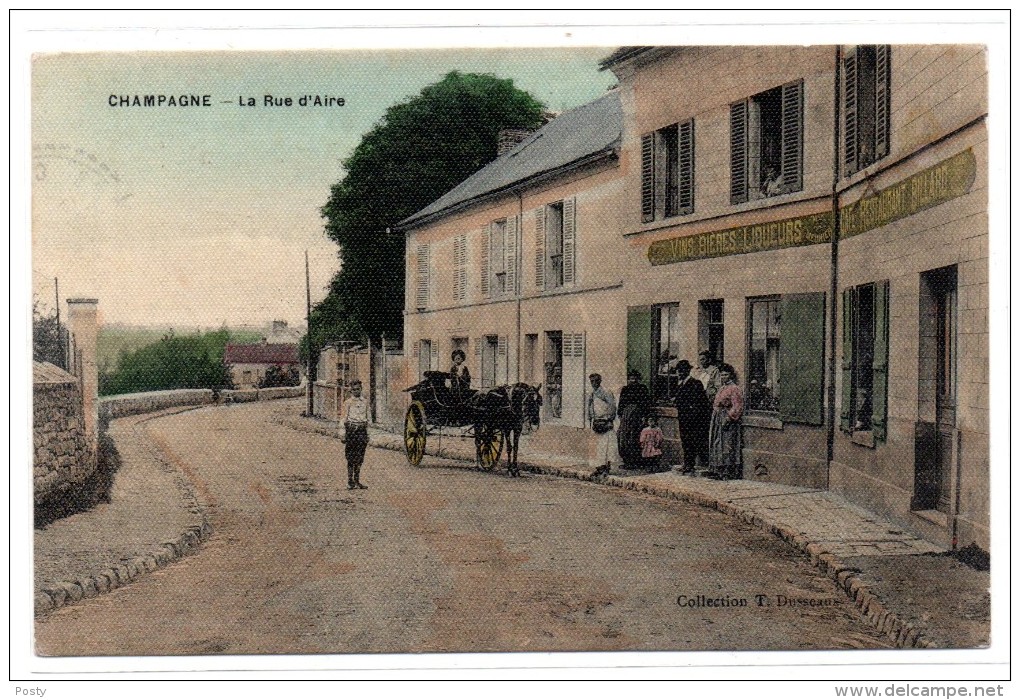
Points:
(530, 407)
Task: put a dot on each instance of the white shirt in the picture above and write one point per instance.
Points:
(355, 410)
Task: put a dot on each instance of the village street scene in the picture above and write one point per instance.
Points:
(663, 349)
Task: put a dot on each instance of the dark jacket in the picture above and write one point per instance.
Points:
(693, 410)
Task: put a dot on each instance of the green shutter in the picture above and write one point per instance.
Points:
(802, 357)
(846, 404)
(880, 366)
(639, 340)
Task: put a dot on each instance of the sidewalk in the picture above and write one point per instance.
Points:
(905, 586)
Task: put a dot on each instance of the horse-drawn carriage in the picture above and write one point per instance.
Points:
(494, 418)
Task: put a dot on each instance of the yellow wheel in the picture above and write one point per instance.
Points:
(488, 446)
(415, 433)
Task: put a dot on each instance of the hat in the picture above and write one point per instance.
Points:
(633, 373)
(683, 367)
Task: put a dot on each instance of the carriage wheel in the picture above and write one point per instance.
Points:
(489, 447)
(415, 433)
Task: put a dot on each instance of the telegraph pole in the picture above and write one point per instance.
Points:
(60, 336)
(308, 335)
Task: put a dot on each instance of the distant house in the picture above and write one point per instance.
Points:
(249, 363)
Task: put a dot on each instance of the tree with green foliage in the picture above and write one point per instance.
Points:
(175, 362)
(49, 339)
(421, 149)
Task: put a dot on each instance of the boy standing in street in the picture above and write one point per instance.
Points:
(355, 418)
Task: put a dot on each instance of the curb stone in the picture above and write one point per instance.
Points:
(847, 578)
(50, 597)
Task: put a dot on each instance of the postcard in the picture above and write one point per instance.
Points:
(589, 345)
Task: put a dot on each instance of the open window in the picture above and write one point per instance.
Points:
(767, 144)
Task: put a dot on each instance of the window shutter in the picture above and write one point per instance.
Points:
(434, 357)
(502, 366)
(648, 178)
(880, 365)
(540, 248)
(793, 136)
(738, 153)
(512, 241)
(415, 348)
(685, 167)
(802, 357)
(850, 113)
(459, 267)
(846, 406)
(569, 239)
(421, 297)
(883, 78)
(639, 340)
(486, 243)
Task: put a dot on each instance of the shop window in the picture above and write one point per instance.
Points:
(767, 143)
(786, 357)
(665, 350)
(710, 328)
(667, 172)
(865, 360)
(763, 354)
(866, 106)
(555, 250)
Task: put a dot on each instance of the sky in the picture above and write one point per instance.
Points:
(200, 216)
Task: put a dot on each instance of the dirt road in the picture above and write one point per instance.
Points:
(442, 558)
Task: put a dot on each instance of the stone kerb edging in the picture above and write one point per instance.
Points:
(902, 633)
(63, 593)
(52, 596)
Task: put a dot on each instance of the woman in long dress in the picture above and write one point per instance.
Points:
(634, 405)
(725, 444)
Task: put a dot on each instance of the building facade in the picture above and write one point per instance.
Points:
(518, 268)
(814, 216)
(817, 218)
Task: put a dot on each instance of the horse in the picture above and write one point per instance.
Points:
(512, 409)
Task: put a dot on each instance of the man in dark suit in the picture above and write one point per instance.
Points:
(694, 415)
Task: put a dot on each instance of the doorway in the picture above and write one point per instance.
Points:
(935, 443)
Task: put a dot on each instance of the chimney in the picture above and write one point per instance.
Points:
(83, 327)
(279, 326)
(508, 138)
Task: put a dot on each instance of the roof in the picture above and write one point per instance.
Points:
(261, 354)
(622, 54)
(570, 139)
(46, 373)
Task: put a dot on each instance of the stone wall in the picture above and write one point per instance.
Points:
(63, 457)
(130, 404)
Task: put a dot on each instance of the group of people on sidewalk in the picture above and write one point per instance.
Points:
(709, 405)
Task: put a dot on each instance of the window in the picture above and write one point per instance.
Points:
(665, 350)
(555, 264)
(763, 354)
(786, 356)
(866, 106)
(554, 374)
(710, 328)
(489, 346)
(865, 359)
(499, 257)
(421, 295)
(426, 355)
(667, 172)
(528, 361)
(767, 143)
